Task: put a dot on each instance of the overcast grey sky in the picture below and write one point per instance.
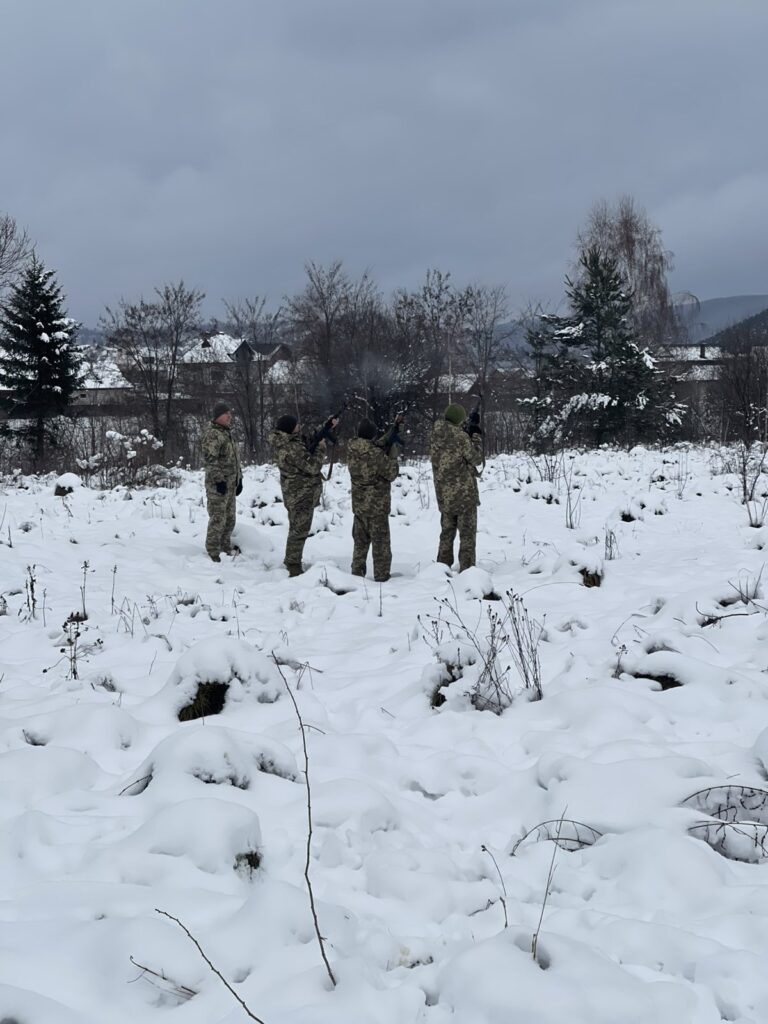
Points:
(229, 141)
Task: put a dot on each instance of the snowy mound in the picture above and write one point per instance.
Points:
(214, 676)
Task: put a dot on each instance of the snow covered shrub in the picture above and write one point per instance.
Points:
(216, 673)
(547, 468)
(757, 512)
(587, 562)
(750, 467)
(482, 659)
(208, 700)
(212, 756)
(66, 484)
(591, 577)
(130, 460)
(199, 835)
(641, 506)
(542, 491)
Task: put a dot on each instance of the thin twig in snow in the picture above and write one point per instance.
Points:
(309, 823)
(181, 990)
(548, 887)
(215, 970)
(503, 898)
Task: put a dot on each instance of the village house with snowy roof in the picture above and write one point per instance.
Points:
(210, 361)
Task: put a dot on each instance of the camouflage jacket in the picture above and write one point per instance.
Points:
(300, 477)
(455, 458)
(371, 471)
(220, 456)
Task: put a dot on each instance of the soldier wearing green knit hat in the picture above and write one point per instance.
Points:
(455, 414)
(455, 456)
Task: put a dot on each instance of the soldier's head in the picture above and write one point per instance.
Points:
(222, 413)
(287, 424)
(455, 414)
(366, 430)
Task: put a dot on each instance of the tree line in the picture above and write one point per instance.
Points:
(596, 371)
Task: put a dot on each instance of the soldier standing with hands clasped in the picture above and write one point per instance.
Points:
(301, 481)
(372, 468)
(456, 452)
(223, 481)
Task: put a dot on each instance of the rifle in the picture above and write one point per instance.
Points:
(324, 432)
(472, 423)
(391, 435)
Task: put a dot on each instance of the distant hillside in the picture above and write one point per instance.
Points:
(753, 330)
(714, 315)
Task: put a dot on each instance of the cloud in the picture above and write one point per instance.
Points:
(228, 143)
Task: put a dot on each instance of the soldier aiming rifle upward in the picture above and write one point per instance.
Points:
(373, 466)
(326, 433)
(300, 463)
(391, 437)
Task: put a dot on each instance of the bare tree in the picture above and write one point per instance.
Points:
(436, 313)
(624, 232)
(335, 321)
(487, 330)
(316, 312)
(744, 386)
(15, 250)
(248, 379)
(152, 338)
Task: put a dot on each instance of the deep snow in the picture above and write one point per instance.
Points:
(111, 807)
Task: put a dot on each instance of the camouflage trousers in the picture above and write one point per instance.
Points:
(221, 519)
(371, 531)
(463, 521)
(299, 525)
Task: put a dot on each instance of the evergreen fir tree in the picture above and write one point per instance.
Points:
(602, 384)
(39, 364)
(541, 403)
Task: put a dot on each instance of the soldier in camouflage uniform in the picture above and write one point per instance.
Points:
(223, 481)
(301, 483)
(455, 457)
(371, 471)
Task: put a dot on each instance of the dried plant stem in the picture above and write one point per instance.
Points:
(215, 970)
(181, 990)
(503, 898)
(547, 888)
(307, 860)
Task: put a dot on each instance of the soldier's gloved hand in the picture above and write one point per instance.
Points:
(239, 488)
(221, 486)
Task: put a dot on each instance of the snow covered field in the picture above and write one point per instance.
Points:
(655, 686)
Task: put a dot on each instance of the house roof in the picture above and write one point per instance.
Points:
(101, 369)
(221, 348)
